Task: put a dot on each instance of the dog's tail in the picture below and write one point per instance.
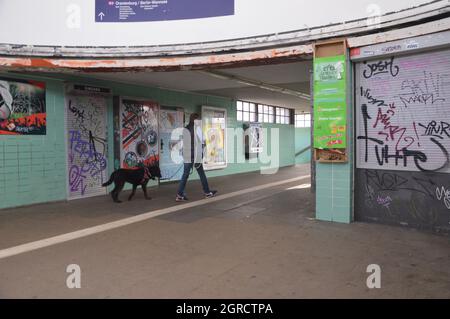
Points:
(111, 180)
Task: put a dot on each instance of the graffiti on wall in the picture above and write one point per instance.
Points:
(139, 133)
(86, 163)
(87, 145)
(403, 113)
(403, 141)
(22, 107)
(414, 199)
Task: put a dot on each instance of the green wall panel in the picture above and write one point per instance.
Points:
(31, 165)
(302, 140)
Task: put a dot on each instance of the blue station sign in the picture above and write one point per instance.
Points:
(160, 10)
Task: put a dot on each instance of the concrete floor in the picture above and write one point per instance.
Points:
(265, 244)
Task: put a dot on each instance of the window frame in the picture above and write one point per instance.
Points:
(305, 123)
(282, 115)
(267, 115)
(244, 112)
(263, 113)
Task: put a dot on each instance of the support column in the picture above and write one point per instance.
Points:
(332, 132)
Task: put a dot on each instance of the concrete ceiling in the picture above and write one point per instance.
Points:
(254, 94)
(294, 76)
(277, 73)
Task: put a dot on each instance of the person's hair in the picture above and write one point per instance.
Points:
(193, 117)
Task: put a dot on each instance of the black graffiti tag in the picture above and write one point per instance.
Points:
(366, 137)
(370, 98)
(78, 113)
(381, 67)
(393, 182)
(399, 156)
(436, 129)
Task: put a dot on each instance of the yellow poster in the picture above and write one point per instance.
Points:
(214, 132)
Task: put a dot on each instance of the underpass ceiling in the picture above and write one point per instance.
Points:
(293, 76)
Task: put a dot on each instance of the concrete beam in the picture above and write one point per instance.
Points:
(415, 15)
(405, 33)
(184, 63)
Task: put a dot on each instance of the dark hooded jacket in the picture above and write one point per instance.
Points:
(192, 145)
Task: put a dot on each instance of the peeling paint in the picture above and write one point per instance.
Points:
(159, 64)
(44, 63)
(431, 11)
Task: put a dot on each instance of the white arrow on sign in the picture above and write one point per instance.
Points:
(101, 15)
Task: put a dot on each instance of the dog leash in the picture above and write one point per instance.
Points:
(147, 175)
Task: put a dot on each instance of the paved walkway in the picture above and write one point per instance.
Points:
(259, 244)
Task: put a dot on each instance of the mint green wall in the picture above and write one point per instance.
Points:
(333, 192)
(193, 103)
(302, 140)
(33, 169)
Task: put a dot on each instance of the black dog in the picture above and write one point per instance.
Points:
(137, 177)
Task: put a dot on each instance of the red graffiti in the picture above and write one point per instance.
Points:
(24, 125)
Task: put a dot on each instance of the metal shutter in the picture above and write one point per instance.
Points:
(403, 104)
(87, 149)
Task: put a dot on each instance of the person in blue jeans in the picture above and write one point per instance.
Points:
(193, 157)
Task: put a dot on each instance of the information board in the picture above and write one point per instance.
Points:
(160, 10)
(330, 103)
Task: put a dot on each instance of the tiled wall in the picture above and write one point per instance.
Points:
(333, 192)
(302, 140)
(32, 168)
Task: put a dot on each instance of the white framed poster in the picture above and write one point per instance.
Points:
(171, 151)
(255, 138)
(214, 128)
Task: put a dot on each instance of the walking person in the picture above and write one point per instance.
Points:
(193, 143)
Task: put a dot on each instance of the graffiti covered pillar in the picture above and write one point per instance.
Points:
(332, 132)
